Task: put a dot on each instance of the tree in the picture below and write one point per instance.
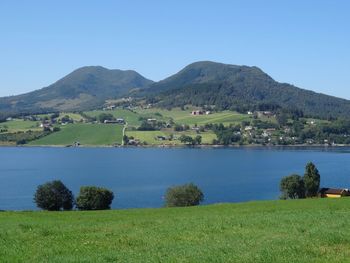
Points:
(198, 140)
(292, 187)
(186, 139)
(54, 196)
(183, 195)
(105, 117)
(312, 180)
(94, 198)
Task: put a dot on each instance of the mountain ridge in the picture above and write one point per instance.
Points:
(200, 83)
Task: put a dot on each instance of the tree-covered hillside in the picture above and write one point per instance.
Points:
(240, 88)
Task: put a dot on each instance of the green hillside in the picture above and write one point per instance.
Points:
(227, 87)
(85, 134)
(84, 88)
(273, 231)
(240, 88)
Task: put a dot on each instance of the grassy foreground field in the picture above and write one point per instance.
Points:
(86, 134)
(272, 231)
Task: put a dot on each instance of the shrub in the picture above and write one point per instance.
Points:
(292, 187)
(183, 195)
(54, 196)
(94, 198)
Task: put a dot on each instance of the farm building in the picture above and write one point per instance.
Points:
(197, 112)
(334, 192)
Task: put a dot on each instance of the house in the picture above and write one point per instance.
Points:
(151, 120)
(120, 120)
(197, 112)
(110, 122)
(334, 192)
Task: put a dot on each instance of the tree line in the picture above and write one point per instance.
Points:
(55, 196)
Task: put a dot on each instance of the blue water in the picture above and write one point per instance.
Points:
(139, 177)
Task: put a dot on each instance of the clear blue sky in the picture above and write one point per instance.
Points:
(305, 43)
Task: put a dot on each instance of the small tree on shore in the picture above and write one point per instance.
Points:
(54, 196)
(94, 198)
(183, 195)
(311, 180)
(292, 187)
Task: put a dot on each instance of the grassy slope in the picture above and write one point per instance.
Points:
(271, 231)
(86, 134)
(131, 117)
(20, 125)
(185, 117)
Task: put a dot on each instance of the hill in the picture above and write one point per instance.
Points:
(240, 88)
(228, 87)
(84, 88)
(311, 230)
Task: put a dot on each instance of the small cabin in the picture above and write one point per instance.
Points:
(334, 192)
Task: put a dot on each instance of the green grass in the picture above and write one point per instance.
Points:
(20, 125)
(185, 117)
(74, 116)
(86, 134)
(131, 117)
(149, 136)
(272, 231)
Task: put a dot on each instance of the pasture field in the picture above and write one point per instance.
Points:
(16, 125)
(74, 116)
(132, 118)
(85, 134)
(184, 116)
(150, 136)
(303, 231)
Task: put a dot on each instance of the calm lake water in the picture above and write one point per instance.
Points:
(139, 177)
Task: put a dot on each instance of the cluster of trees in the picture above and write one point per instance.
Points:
(55, 196)
(226, 135)
(151, 125)
(191, 141)
(296, 187)
(105, 117)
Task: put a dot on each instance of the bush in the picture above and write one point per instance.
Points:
(292, 187)
(54, 196)
(94, 198)
(183, 195)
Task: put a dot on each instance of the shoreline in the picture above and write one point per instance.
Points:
(202, 146)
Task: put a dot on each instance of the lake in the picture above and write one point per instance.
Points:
(139, 177)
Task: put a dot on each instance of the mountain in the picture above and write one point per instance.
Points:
(84, 88)
(240, 88)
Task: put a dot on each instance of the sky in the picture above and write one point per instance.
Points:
(304, 43)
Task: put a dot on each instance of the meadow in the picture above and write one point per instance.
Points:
(311, 230)
(85, 134)
(184, 116)
(17, 125)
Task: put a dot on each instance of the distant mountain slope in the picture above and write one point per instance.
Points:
(240, 87)
(84, 88)
(202, 83)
